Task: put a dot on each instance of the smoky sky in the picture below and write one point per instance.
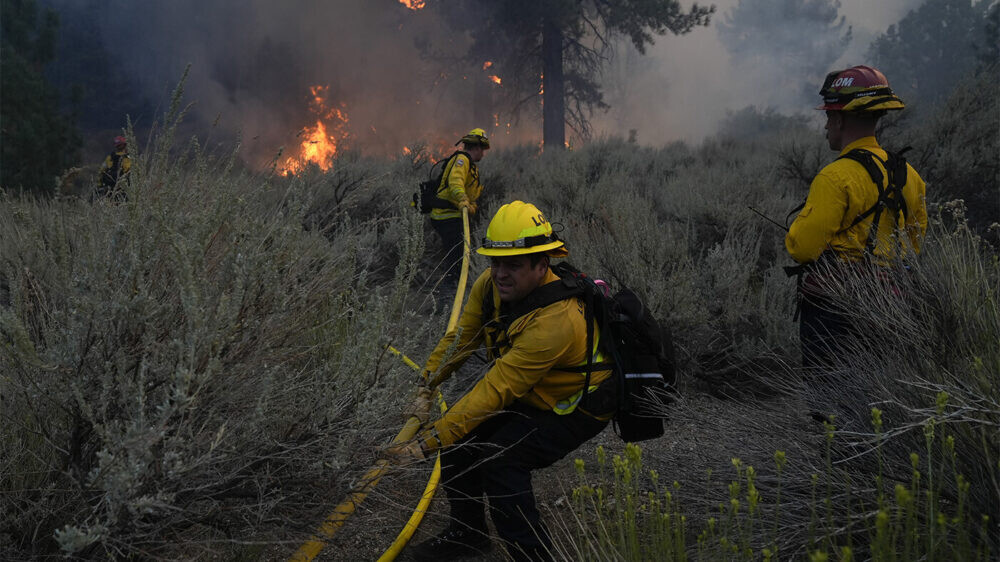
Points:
(688, 83)
(253, 61)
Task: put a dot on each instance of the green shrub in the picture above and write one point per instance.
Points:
(626, 514)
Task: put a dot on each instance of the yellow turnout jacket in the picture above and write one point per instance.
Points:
(842, 191)
(459, 181)
(527, 364)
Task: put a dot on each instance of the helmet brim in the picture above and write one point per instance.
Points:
(890, 103)
(550, 248)
(474, 142)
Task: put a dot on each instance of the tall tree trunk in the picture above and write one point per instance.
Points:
(482, 101)
(553, 100)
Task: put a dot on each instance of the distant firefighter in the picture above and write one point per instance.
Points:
(864, 211)
(116, 167)
(459, 188)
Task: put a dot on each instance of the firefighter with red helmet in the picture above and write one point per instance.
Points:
(866, 209)
(115, 168)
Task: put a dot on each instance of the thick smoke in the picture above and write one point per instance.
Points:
(253, 61)
(688, 83)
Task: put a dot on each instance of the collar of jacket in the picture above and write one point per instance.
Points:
(867, 143)
(550, 277)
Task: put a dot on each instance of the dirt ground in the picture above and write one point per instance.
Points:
(704, 433)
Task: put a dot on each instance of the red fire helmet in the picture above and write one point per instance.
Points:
(120, 141)
(859, 88)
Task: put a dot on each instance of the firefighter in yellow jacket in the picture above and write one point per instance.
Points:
(116, 167)
(864, 210)
(460, 186)
(528, 410)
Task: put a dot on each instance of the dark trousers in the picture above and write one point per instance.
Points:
(822, 331)
(496, 460)
(452, 242)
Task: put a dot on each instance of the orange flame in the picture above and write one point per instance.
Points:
(495, 78)
(319, 144)
(487, 64)
(413, 4)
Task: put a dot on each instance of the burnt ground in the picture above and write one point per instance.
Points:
(703, 434)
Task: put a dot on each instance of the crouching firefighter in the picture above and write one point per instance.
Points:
(534, 405)
(864, 210)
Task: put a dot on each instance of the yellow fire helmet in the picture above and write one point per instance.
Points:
(520, 228)
(859, 88)
(475, 136)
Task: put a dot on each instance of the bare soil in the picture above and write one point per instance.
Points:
(702, 437)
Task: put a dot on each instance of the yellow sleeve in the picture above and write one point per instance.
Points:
(819, 219)
(533, 353)
(916, 224)
(107, 163)
(455, 191)
(126, 164)
(469, 332)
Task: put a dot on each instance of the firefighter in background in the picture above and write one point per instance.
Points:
(864, 210)
(116, 167)
(527, 411)
(460, 186)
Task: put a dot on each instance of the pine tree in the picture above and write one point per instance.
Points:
(552, 52)
(932, 48)
(36, 142)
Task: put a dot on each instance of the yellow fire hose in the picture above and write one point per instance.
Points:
(311, 548)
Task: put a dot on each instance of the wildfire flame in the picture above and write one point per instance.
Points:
(493, 77)
(319, 144)
(413, 4)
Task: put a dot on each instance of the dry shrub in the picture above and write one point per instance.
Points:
(188, 367)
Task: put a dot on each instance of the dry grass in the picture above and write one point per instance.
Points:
(198, 369)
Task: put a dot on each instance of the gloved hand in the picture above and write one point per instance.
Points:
(473, 207)
(465, 204)
(421, 406)
(405, 453)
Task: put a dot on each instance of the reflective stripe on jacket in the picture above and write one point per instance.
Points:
(526, 369)
(842, 191)
(459, 181)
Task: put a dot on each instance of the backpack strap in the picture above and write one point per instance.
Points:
(890, 197)
(431, 189)
(551, 293)
(447, 161)
(593, 311)
(572, 283)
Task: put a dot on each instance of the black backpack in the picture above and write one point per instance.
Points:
(426, 198)
(640, 349)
